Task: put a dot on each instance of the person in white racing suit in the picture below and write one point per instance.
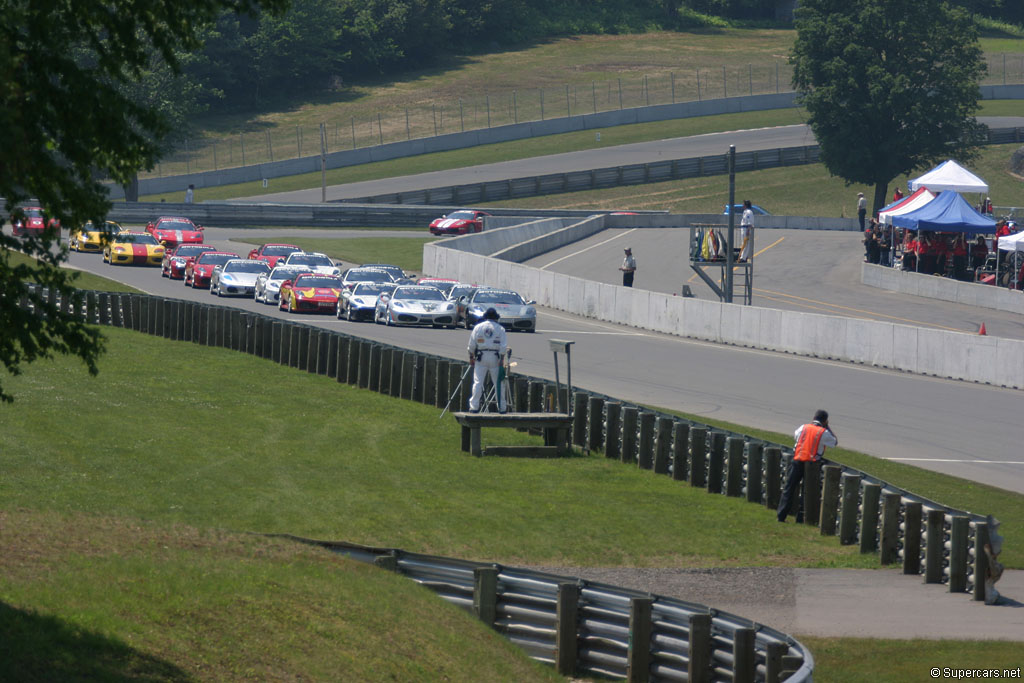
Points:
(487, 346)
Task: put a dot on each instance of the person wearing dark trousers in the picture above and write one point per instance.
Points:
(628, 268)
(862, 209)
(811, 441)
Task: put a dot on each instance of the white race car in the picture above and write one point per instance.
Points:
(314, 262)
(268, 285)
(360, 302)
(237, 277)
(516, 314)
(415, 305)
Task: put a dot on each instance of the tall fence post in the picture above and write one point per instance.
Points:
(981, 539)
(959, 528)
(755, 458)
(595, 428)
(935, 545)
(581, 402)
(744, 658)
(772, 477)
(638, 666)
(662, 444)
(812, 493)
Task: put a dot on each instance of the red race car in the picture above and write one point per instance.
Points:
(311, 292)
(173, 265)
(199, 269)
(34, 221)
(171, 231)
(272, 253)
(459, 222)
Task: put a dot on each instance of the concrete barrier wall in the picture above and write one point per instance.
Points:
(943, 288)
(524, 251)
(940, 353)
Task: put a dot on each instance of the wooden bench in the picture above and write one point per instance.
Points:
(554, 425)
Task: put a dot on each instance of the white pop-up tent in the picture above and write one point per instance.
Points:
(950, 175)
(905, 205)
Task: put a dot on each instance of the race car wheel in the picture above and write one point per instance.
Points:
(348, 315)
(468, 325)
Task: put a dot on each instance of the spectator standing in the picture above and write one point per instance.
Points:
(746, 232)
(811, 441)
(628, 268)
(960, 257)
(190, 194)
(862, 209)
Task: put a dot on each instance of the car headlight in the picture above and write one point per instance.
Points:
(531, 311)
(398, 304)
(178, 261)
(119, 249)
(449, 307)
(226, 276)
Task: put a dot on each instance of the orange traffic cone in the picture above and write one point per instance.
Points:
(981, 331)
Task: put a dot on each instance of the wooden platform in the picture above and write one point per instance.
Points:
(555, 427)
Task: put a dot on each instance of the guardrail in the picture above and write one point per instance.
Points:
(944, 544)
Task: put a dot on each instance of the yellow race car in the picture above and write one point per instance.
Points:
(129, 248)
(90, 238)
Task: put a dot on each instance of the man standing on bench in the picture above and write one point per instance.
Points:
(487, 345)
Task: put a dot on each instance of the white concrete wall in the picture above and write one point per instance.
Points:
(943, 288)
(941, 353)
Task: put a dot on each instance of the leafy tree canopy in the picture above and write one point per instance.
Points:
(68, 116)
(889, 85)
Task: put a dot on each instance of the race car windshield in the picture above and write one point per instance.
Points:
(283, 274)
(497, 298)
(176, 225)
(394, 270)
(191, 250)
(216, 259)
(247, 267)
(135, 238)
(279, 250)
(368, 276)
(372, 288)
(308, 260)
(461, 215)
(427, 293)
(461, 291)
(321, 281)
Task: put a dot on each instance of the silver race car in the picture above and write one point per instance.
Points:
(415, 305)
(516, 314)
(237, 277)
(268, 285)
(360, 302)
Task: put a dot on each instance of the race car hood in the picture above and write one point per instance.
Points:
(317, 292)
(504, 310)
(419, 305)
(243, 279)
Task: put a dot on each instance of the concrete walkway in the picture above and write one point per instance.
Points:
(855, 603)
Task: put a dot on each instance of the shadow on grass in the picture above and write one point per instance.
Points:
(43, 648)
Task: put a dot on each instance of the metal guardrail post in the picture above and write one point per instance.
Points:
(772, 477)
(645, 448)
(935, 545)
(890, 537)
(566, 628)
(595, 427)
(716, 462)
(959, 529)
(629, 436)
(698, 456)
(680, 450)
(849, 510)
(699, 668)
(662, 444)
(869, 513)
(613, 430)
(388, 561)
(755, 463)
(485, 594)
(638, 667)
(830, 499)
(912, 538)
(734, 467)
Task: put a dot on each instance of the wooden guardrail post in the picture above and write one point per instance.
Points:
(755, 464)
(629, 427)
(401, 378)
(333, 339)
(408, 387)
(441, 390)
(344, 349)
(322, 345)
(613, 430)
(302, 362)
(566, 628)
(364, 364)
(638, 662)
(103, 306)
(734, 466)
(680, 451)
(581, 402)
(428, 391)
(698, 456)
(772, 477)
(716, 462)
(485, 594)
(645, 447)
(869, 517)
(812, 493)
(455, 370)
(935, 545)
(830, 499)
(774, 651)
(536, 397)
(981, 539)
(744, 661)
(522, 395)
(912, 538)
(890, 533)
(380, 369)
(699, 667)
(850, 507)
(467, 385)
(662, 444)
(958, 532)
(595, 423)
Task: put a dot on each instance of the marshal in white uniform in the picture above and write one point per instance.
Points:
(487, 346)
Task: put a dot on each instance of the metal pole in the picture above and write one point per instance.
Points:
(323, 162)
(593, 90)
(672, 76)
(620, 93)
(750, 76)
(462, 117)
(725, 83)
(433, 110)
(515, 107)
(732, 223)
(353, 132)
(408, 133)
(488, 100)
(698, 85)
(380, 129)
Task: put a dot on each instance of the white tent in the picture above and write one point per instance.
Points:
(1013, 242)
(950, 175)
(911, 203)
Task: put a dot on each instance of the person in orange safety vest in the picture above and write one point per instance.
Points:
(811, 441)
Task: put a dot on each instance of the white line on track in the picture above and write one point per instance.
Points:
(592, 246)
(972, 462)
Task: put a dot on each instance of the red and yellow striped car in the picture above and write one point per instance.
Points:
(311, 292)
(133, 248)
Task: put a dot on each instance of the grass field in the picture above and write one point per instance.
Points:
(125, 552)
(82, 280)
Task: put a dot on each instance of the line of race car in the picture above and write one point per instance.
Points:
(303, 282)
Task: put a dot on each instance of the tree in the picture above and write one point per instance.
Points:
(64, 122)
(889, 85)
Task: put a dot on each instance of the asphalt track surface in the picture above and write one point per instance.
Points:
(964, 429)
(599, 157)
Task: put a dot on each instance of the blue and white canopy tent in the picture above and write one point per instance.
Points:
(948, 212)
